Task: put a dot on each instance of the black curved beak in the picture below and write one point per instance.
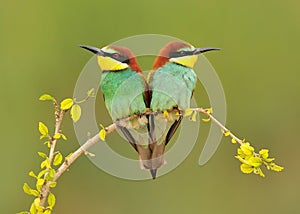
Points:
(202, 50)
(92, 49)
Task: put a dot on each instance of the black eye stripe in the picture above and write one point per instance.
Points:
(180, 54)
(120, 57)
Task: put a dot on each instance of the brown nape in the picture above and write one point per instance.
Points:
(132, 59)
(163, 56)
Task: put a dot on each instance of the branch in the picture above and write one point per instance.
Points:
(82, 150)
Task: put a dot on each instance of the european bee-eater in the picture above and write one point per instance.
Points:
(171, 83)
(125, 93)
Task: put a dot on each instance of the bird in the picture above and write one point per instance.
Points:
(125, 92)
(171, 81)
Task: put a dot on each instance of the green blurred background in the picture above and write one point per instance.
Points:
(258, 66)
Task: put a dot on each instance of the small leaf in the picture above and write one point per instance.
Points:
(166, 114)
(57, 159)
(63, 137)
(50, 175)
(69, 155)
(264, 153)
(91, 92)
(102, 134)
(52, 184)
(48, 143)
(29, 191)
(275, 167)
(41, 173)
(45, 163)
(245, 168)
(47, 211)
(40, 182)
(66, 104)
(194, 117)
(226, 133)
(255, 161)
(41, 154)
(32, 209)
(51, 200)
(46, 97)
(89, 154)
(209, 110)
(57, 136)
(188, 112)
(37, 205)
(43, 129)
(31, 174)
(75, 112)
(206, 120)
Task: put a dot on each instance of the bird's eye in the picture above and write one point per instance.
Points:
(182, 53)
(116, 55)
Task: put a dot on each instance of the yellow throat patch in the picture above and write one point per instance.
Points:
(188, 61)
(109, 64)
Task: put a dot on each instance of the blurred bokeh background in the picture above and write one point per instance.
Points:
(258, 66)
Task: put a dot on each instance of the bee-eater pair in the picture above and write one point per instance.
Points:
(126, 91)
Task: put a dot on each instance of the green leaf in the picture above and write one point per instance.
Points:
(66, 104)
(51, 200)
(29, 191)
(275, 167)
(63, 137)
(69, 155)
(57, 136)
(37, 204)
(40, 182)
(47, 211)
(46, 97)
(188, 112)
(226, 133)
(50, 175)
(194, 117)
(32, 209)
(43, 155)
(89, 154)
(43, 129)
(45, 163)
(264, 153)
(209, 110)
(52, 184)
(102, 134)
(75, 112)
(31, 174)
(255, 161)
(91, 92)
(57, 159)
(247, 149)
(48, 143)
(41, 173)
(245, 168)
(206, 120)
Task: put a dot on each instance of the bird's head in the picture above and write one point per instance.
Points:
(114, 58)
(179, 52)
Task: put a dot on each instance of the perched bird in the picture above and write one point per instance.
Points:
(171, 83)
(125, 93)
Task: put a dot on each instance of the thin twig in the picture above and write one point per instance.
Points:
(218, 123)
(58, 120)
(109, 129)
(81, 150)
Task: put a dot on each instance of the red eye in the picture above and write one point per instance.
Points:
(182, 53)
(116, 56)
